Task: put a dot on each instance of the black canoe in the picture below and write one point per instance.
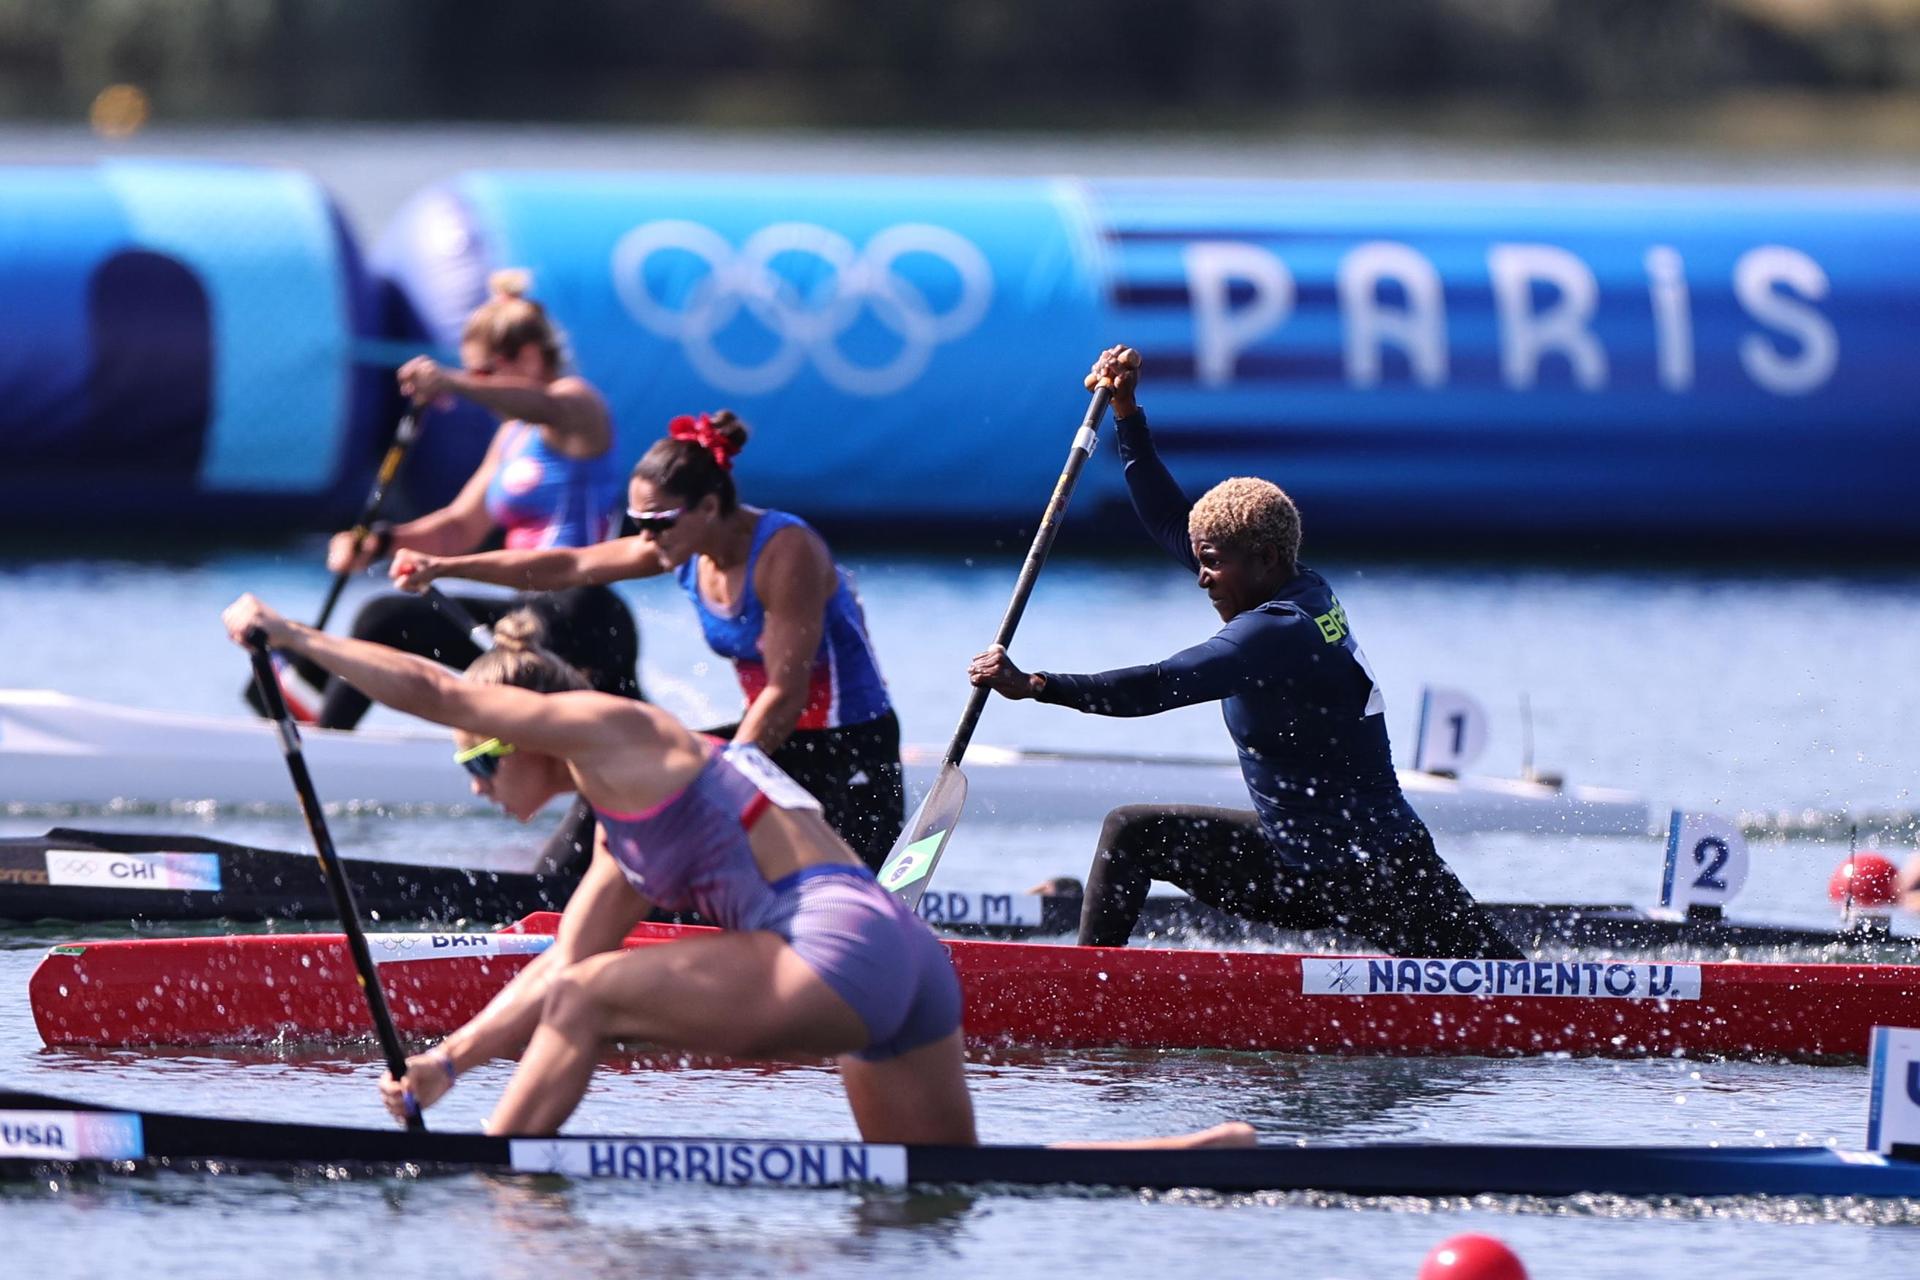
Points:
(68, 875)
(39, 1134)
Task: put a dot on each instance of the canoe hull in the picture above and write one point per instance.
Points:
(56, 1134)
(301, 987)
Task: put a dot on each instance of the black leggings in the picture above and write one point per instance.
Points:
(590, 627)
(1404, 899)
(854, 772)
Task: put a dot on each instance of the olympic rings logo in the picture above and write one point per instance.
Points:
(806, 323)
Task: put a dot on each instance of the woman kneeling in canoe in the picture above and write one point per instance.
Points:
(1330, 840)
(813, 957)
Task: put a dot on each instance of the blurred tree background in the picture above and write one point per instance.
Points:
(1107, 64)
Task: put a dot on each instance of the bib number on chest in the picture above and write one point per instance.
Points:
(774, 784)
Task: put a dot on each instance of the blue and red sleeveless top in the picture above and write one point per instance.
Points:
(846, 687)
(543, 498)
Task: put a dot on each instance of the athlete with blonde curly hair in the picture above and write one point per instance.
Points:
(1330, 841)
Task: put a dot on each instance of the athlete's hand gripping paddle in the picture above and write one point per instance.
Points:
(267, 684)
(909, 867)
(404, 437)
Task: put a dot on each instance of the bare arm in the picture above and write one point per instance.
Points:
(568, 411)
(603, 908)
(459, 526)
(795, 578)
(544, 569)
(571, 411)
(599, 734)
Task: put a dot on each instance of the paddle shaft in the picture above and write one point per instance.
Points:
(337, 883)
(403, 439)
(1083, 442)
(909, 866)
(477, 631)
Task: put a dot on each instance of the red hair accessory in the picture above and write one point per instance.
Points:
(702, 432)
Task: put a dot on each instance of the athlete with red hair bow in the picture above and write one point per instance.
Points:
(721, 442)
(769, 597)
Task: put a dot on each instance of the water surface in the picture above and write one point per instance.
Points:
(1736, 689)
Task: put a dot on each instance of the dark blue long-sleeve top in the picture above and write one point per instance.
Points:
(1294, 688)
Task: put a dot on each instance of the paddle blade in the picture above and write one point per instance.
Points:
(915, 854)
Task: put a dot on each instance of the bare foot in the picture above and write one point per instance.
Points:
(1234, 1133)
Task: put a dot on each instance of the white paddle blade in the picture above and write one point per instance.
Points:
(917, 852)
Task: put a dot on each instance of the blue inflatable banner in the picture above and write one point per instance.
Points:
(180, 346)
(1450, 360)
(867, 329)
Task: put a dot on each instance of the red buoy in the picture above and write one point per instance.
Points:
(1472, 1257)
(1872, 877)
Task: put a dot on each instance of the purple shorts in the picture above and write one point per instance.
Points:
(874, 952)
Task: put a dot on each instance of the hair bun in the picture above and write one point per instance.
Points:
(519, 632)
(727, 425)
(512, 282)
(719, 435)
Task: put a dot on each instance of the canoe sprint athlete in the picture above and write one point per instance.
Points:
(769, 596)
(550, 478)
(1330, 840)
(814, 958)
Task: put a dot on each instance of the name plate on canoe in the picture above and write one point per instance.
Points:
(1590, 979)
(161, 872)
(1009, 909)
(714, 1161)
(71, 1135)
(1894, 1070)
(394, 948)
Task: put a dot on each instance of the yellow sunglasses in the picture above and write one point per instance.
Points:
(482, 759)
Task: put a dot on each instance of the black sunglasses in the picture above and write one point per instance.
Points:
(655, 521)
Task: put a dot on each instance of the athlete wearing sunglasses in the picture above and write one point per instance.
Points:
(482, 759)
(769, 597)
(811, 957)
(654, 522)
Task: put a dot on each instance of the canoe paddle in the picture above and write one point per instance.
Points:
(477, 631)
(404, 437)
(910, 865)
(267, 682)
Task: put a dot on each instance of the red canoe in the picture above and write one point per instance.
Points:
(235, 990)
